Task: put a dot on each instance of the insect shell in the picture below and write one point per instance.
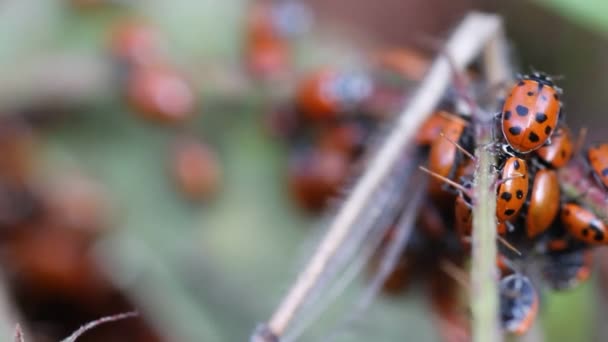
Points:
(544, 202)
(530, 112)
(559, 152)
(583, 224)
(513, 190)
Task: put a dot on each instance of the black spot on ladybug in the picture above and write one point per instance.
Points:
(562, 153)
(548, 130)
(540, 117)
(521, 83)
(521, 110)
(509, 212)
(507, 115)
(530, 93)
(516, 165)
(585, 232)
(516, 130)
(506, 196)
(605, 172)
(555, 96)
(533, 137)
(566, 212)
(519, 194)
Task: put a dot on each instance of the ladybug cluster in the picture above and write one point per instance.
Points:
(537, 223)
(329, 124)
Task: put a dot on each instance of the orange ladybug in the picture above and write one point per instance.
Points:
(518, 303)
(597, 156)
(583, 225)
(531, 112)
(160, 94)
(444, 156)
(431, 128)
(196, 170)
(544, 202)
(559, 152)
(136, 42)
(513, 190)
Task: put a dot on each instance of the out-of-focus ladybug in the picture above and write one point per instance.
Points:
(315, 175)
(531, 112)
(136, 42)
(348, 137)
(444, 155)
(406, 63)
(565, 270)
(160, 94)
(544, 202)
(431, 128)
(513, 189)
(326, 93)
(597, 157)
(518, 303)
(267, 58)
(583, 225)
(559, 152)
(196, 169)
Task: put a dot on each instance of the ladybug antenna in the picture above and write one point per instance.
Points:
(516, 175)
(444, 179)
(458, 146)
(508, 245)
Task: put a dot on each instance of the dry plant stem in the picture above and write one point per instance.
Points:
(484, 275)
(465, 43)
(83, 329)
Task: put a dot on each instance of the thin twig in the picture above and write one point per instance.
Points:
(484, 274)
(83, 329)
(465, 43)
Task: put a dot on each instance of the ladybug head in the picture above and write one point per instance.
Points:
(540, 77)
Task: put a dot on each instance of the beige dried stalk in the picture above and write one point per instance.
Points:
(476, 32)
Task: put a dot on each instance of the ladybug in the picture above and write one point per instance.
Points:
(432, 127)
(463, 217)
(327, 93)
(531, 112)
(559, 152)
(136, 43)
(518, 303)
(566, 269)
(267, 58)
(583, 225)
(597, 157)
(444, 156)
(544, 202)
(160, 94)
(196, 169)
(513, 190)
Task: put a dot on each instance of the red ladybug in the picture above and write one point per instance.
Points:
(136, 42)
(583, 225)
(160, 94)
(597, 156)
(196, 170)
(431, 128)
(559, 152)
(544, 202)
(513, 190)
(518, 303)
(444, 156)
(530, 113)
(566, 269)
